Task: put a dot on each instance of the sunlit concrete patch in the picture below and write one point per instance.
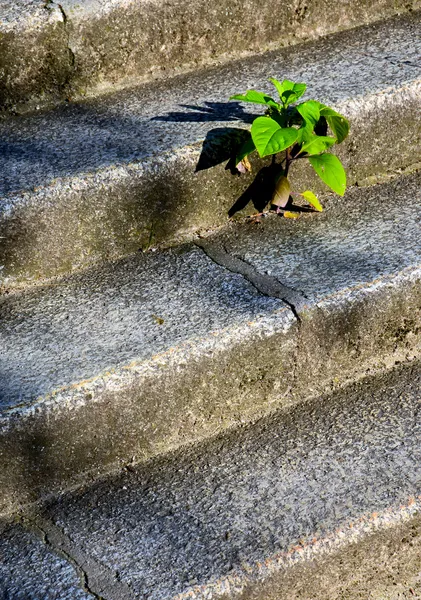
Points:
(306, 550)
(130, 361)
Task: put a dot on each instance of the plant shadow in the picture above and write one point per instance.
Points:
(209, 112)
(221, 145)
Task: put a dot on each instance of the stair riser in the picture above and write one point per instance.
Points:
(76, 222)
(72, 51)
(101, 425)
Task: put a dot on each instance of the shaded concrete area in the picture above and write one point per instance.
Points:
(51, 51)
(230, 518)
(101, 179)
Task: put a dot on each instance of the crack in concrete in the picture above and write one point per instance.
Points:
(264, 284)
(92, 574)
(66, 30)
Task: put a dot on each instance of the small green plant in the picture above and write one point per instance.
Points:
(299, 131)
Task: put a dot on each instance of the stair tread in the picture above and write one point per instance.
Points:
(101, 45)
(369, 235)
(106, 320)
(31, 570)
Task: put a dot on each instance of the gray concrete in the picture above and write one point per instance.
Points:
(101, 179)
(52, 51)
(126, 362)
(357, 239)
(120, 364)
(31, 570)
(103, 320)
(239, 516)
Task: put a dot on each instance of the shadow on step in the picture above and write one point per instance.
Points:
(210, 111)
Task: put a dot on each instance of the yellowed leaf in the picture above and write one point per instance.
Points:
(281, 194)
(313, 200)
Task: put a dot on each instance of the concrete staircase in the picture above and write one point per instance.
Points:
(191, 407)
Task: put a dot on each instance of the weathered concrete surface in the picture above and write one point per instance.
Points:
(358, 276)
(51, 51)
(101, 179)
(148, 354)
(329, 489)
(30, 570)
(128, 362)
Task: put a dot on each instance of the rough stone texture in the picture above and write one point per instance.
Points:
(53, 51)
(36, 63)
(356, 269)
(128, 311)
(30, 570)
(384, 566)
(129, 362)
(102, 179)
(240, 515)
(91, 378)
(357, 239)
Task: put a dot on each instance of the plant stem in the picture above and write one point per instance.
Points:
(288, 161)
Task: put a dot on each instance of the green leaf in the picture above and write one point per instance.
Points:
(310, 112)
(330, 170)
(312, 199)
(278, 85)
(245, 149)
(269, 137)
(288, 90)
(315, 144)
(337, 122)
(256, 98)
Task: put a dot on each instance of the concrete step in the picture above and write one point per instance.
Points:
(100, 180)
(119, 364)
(53, 51)
(320, 502)
(31, 570)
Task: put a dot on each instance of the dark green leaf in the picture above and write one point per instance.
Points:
(330, 170)
(337, 122)
(256, 98)
(269, 137)
(247, 148)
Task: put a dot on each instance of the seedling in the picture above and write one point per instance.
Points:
(300, 132)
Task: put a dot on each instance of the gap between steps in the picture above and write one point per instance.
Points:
(264, 284)
(92, 574)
